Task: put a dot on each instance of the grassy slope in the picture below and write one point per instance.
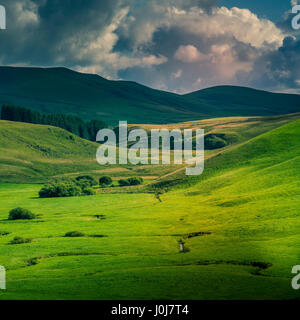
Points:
(248, 198)
(90, 96)
(237, 130)
(33, 153)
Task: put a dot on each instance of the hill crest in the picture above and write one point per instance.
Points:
(89, 96)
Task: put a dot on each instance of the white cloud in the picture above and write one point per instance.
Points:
(189, 54)
(177, 74)
(26, 12)
(241, 24)
(226, 63)
(294, 2)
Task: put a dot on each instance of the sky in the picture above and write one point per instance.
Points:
(174, 45)
(270, 9)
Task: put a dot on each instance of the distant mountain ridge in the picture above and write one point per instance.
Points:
(61, 90)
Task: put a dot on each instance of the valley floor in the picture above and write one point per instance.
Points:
(248, 255)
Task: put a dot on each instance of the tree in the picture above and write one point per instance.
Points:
(73, 124)
(93, 127)
(89, 179)
(105, 181)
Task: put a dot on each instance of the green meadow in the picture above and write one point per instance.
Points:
(239, 221)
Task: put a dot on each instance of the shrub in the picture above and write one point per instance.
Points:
(261, 265)
(20, 240)
(32, 261)
(214, 141)
(87, 179)
(124, 183)
(74, 234)
(135, 181)
(105, 181)
(88, 191)
(20, 214)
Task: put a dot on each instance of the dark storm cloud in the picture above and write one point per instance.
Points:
(177, 45)
(280, 69)
(44, 31)
(286, 24)
(39, 31)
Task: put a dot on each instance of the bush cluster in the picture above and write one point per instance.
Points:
(106, 181)
(81, 186)
(60, 189)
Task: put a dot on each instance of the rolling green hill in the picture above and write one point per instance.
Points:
(35, 153)
(246, 101)
(239, 221)
(29, 152)
(57, 90)
(267, 157)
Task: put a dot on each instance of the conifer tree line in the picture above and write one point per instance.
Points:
(73, 124)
